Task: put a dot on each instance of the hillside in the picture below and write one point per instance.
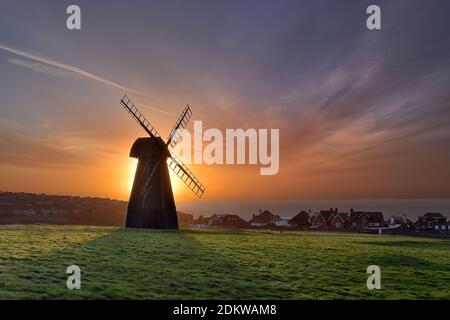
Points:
(145, 264)
(31, 208)
(24, 208)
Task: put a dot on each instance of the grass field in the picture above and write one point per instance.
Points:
(143, 264)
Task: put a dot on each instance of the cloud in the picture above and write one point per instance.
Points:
(43, 125)
(33, 151)
(48, 66)
(53, 68)
(51, 148)
(39, 67)
(145, 106)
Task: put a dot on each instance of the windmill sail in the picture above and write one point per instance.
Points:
(138, 116)
(186, 175)
(175, 136)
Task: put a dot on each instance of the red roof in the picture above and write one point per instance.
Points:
(265, 217)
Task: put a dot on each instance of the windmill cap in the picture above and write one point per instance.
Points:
(147, 147)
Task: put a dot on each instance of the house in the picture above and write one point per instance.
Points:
(215, 218)
(432, 221)
(227, 221)
(338, 221)
(301, 220)
(264, 218)
(201, 222)
(320, 220)
(283, 222)
(364, 220)
(400, 223)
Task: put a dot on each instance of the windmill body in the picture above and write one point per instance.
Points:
(151, 202)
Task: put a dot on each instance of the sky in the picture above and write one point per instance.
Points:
(362, 114)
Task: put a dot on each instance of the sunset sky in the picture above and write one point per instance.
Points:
(362, 114)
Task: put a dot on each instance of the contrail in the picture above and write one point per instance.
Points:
(67, 67)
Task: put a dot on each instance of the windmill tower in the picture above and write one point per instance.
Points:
(151, 202)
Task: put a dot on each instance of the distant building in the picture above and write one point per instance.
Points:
(227, 221)
(363, 220)
(301, 220)
(201, 222)
(215, 218)
(432, 221)
(321, 220)
(283, 222)
(338, 221)
(400, 223)
(265, 218)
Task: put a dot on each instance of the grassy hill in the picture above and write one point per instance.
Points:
(141, 264)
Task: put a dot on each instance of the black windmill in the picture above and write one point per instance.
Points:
(151, 202)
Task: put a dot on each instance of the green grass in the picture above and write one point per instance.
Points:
(144, 264)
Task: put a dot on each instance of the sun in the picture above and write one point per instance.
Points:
(175, 182)
(132, 165)
(131, 171)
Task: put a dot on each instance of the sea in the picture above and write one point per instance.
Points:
(289, 208)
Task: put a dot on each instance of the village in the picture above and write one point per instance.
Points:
(431, 223)
(25, 208)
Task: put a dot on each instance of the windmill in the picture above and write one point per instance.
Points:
(151, 202)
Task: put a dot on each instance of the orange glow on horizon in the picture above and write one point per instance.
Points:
(176, 183)
(130, 169)
(132, 165)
